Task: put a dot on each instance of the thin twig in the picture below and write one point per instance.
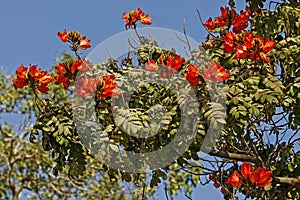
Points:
(200, 18)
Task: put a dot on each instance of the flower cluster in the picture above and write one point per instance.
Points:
(260, 176)
(170, 64)
(86, 86)
(67, 71)
(133, 16)
(35, 78)
(246, 44)
(109, 88)
(228, 18)
(193, 75)
(215, 73)
(75, 38)
(106, 87)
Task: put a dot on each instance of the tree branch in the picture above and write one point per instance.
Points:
(290, 181)
(233, 156)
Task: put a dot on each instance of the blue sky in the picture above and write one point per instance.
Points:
(28, 31)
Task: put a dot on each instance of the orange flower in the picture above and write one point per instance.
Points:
(76, 65)
(136, 15)
(223, 20)
(20, 83)
(246, 169)
(41, 78)
(234, 179)
(110, 87)
(209, 24)
(151, 66)
(34, 73)
(224, 12)
(22, 72)
(22, 78)
(36, 77)
(241, 52)
(60, 78)
(261, 177)
(257, 47)
(229, 39)
(61, 68)
(86, 86)
(63, 36)
(240, 22)
(192, 75)
(46, 79)
(175, 62)
(145, 19)
(84, 43)
(215, 73)
(248, 40)
(220, 22)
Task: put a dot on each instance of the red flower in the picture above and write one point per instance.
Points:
(240, 22)
(192, 75)
(136, 15)
(86, 86)
(223, 190)
(217, 185)
(241, 52)
(234, 179)
(212, 176)
(151, 66)
(145, 19)
(215, 73)
(42, 78)
(76, 65)
(229, 39)
(63, 36)
(248, 11)
(110, 87)
(246, 169)
(209, 24)
(84, 43)
(22, 79)
(60, 78)
(34, 73)
(248, 40)
(22, 72)
(261, 177)
(224, 12)
(46, 79)
(256, 47)
(175, 62)
(36, 77)
(220, 22)
(267, 46)
(43, 88)
(61, 68)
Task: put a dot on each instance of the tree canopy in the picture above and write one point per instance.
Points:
(118, 128)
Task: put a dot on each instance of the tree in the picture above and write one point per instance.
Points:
(248, 89)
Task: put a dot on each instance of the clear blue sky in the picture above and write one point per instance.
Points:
(29, 27)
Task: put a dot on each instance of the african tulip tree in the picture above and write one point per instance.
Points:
(253, 67)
